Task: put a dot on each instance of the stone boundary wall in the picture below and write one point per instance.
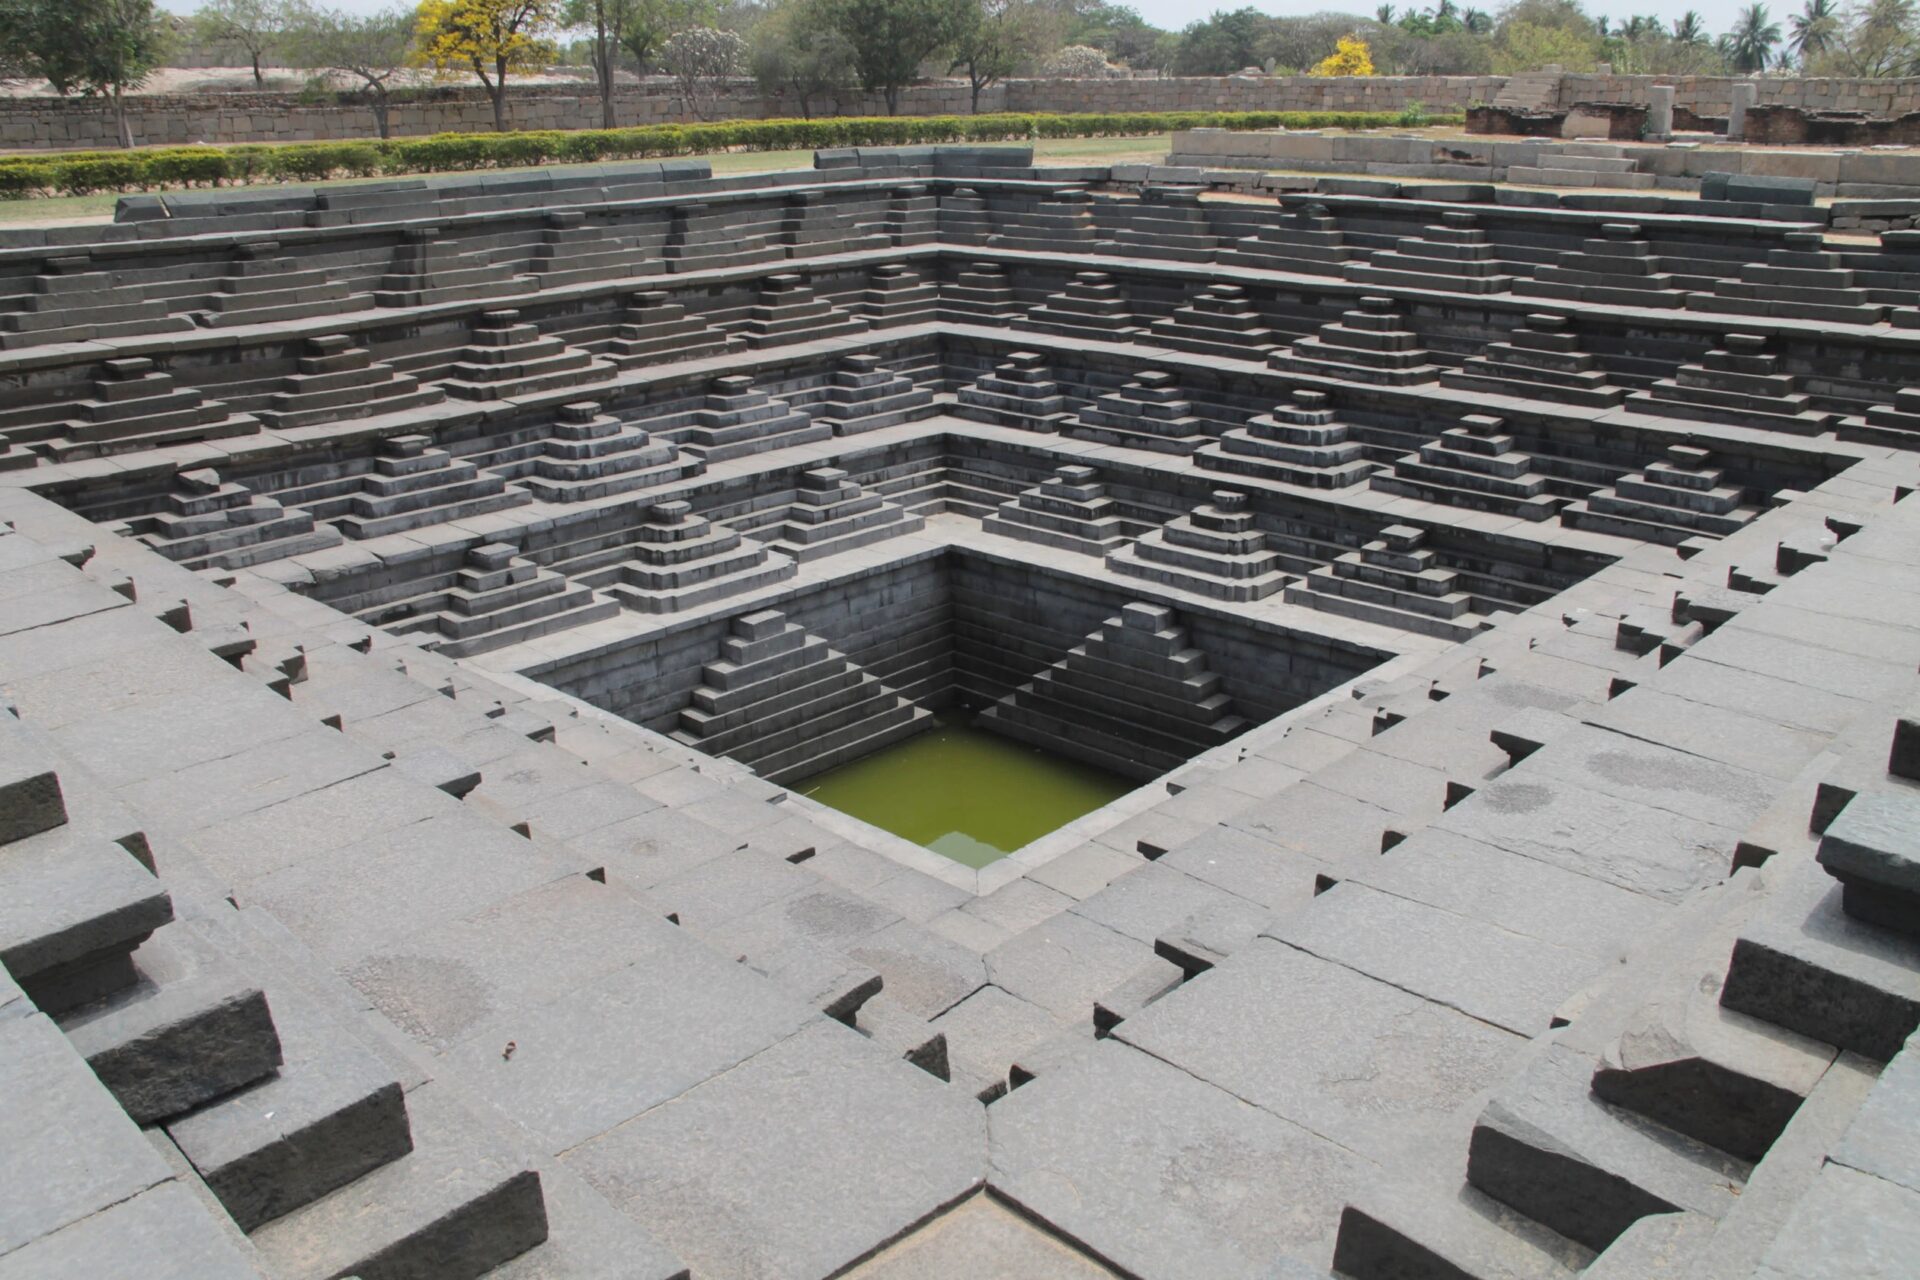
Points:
(30, 123)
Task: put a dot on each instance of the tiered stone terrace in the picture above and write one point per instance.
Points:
(417, 612)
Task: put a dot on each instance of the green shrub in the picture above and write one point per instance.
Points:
(83, 172)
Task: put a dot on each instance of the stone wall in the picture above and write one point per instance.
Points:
(249, 117)
(267, 117)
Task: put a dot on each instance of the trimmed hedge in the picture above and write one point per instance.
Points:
(77, 173)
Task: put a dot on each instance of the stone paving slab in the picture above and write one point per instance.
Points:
(1340, 1053)
(797, 1163)
(1202, 1185)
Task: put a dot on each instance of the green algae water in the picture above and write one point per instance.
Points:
(963, 792)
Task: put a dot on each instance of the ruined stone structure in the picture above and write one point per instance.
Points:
(1506, 613)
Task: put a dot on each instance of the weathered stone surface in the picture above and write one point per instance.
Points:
(795, 1163)
(1251, 1186)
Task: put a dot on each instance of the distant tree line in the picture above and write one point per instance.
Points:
(815, 52)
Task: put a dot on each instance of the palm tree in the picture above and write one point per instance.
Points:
(1384, 15)
(1751, 41)
(1814, 29)
(1478, 21)
(1688, 29)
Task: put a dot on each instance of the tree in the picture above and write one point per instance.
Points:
(370, 47)
(85, 48)
(1689, 29)
(605, 22)
(999, 37)
(797, 51)
(255, 27)
(1076, 62)
(1879, 38)
(492, 37)
(891, 38)
(1814, 29)
(1751, 41)
(700, 60)
(1349, 58)
(1221, 44)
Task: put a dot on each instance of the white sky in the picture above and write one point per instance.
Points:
(1175, 14)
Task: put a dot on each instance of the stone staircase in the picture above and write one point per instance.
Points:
(1583, 164)
(786, 704)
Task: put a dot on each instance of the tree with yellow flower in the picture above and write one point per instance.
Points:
(490, 37)
(1350, 57)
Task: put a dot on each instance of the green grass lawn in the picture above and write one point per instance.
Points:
(99, 208)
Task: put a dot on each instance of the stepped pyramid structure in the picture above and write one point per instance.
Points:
(1092, 307)
(71, 301)
(1454, 255)
(1299, 442)
(657, 330)
(1672, 500)
(589, 454)
(411, 485)
(428, 269)
(677, 560)
(1214, 551)
(701, 239)
(1052, 223)
(510, 359)
(574, 251)
(1366, 344)
(1135, 697)
(1802, 281)
(1540, 360)
(913, 216)
(1165, 223)
(1473, 465)
(1616, 268)
(788, 311)
(735, 419)
(263, 286)
(499, 598)
(787, 704)
(1738, 383)
(1900, 420)
(964, 218)
(1393, 580)
(897, 295)
(135, 405)
(335, 381)
(211, 523)
(979, 294)
(864, 395)
(1147, 413)
(832, 513)
(1020, 392)
(1069, 510)
(811, 224)
(1221, 321)
(1307, 241)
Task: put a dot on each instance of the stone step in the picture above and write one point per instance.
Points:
(851, 743)
(1347, 606)
(190, 1029)
(1804, 964)
(331, 1114)
(1400, 1230)
(454, 1207)
(1547, 1147)
(73, 908)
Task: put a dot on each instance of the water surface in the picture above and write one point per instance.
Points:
(971, 795)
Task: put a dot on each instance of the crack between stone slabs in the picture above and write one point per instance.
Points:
(301, 795)
(1462, 915)
(1772, 781)
(1215, 1084)
(805, 1024)
(977, 1187)
(970, 995)
(72, 617)
(1417, 995)
(92, 1214)
(1013, 1204)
